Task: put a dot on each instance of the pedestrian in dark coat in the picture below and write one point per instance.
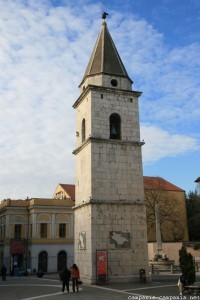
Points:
(65, 278)
(3, 272)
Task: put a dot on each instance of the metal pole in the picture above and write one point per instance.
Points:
(27, 238)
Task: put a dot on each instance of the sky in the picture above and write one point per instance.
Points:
(45, 46)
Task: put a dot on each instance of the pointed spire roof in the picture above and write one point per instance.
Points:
(105, 58)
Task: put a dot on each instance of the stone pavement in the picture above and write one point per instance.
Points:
(49, 287)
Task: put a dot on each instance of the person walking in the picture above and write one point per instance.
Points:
(3, 272)
(182, 282)
(75, 277)
(65, 278)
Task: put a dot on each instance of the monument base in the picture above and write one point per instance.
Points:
(116, 279)
(162, 265)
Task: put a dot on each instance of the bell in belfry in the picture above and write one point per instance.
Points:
(113, 129)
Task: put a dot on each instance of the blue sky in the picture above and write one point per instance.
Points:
(45, 48)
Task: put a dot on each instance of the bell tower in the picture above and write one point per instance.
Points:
(110, 211)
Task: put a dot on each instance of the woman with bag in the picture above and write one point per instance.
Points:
(75, 277)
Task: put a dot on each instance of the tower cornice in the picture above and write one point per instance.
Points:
(107, 141)
(138, 202)
(107, 90)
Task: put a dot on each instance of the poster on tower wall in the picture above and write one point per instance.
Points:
(102, 266)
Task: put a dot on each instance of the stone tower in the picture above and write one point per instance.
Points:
(110, 213)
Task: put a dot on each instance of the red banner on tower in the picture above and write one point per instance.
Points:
(102, 266)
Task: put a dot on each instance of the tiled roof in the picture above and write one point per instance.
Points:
(159, 183)
(149, 184)
(197, 180)
(69, 189)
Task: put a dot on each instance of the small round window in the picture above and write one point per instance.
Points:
(114, 82)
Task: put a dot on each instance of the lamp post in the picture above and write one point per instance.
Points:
(27, 237)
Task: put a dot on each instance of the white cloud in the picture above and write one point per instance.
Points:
(160, 143)
(44, 53)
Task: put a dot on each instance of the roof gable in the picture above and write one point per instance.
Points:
(69, 189)
(150, 183)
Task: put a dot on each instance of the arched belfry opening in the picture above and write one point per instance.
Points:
(115, 126)
(83, 130)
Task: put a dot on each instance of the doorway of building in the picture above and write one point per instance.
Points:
(42, 261)
(61, 260)
(17, 264)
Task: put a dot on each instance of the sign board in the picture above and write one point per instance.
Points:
(17, 247)
(102, 266)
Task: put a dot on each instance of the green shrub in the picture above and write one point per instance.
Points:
(187, 265)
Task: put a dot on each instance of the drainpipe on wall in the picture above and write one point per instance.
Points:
(27, 238)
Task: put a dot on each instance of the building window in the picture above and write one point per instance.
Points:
(43, 230)
(115, 126)
(62, 230)
(18, 231)
(83, 130)
(59, 195)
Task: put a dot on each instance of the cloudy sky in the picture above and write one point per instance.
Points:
(45, 46)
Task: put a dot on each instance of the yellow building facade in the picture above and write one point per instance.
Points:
(36, 234)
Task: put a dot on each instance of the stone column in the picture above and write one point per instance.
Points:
(53, 225)
(34, 225)
(7, 228)
(158, 231)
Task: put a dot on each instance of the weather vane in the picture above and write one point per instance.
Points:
(104, 14)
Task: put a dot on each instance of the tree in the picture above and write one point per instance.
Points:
(177, 231)
(187, 265)
(193, 214)
(157, 193)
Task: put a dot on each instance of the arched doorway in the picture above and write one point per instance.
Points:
(61, 260)
(42, 261)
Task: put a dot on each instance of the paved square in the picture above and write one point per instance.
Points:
(49, 287)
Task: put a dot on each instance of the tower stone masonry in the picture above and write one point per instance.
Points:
(110, 211)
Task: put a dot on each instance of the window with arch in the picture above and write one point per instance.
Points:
(83, 130)
(115, 126)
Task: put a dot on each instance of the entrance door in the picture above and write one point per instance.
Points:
(17, 264)
(61, 260)
(42, 261)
